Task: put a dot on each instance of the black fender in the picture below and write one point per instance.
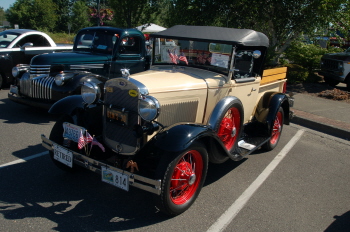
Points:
(67, 105)
(219, 110)
(277, 100)
(179, 137)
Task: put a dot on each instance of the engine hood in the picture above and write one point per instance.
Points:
(69, 58)
(344, 56)
(165, 79)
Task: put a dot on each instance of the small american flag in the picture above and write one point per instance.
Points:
(183, 58)
(81, 141)
(173, 57)
(88, 137)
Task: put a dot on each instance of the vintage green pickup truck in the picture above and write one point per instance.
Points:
(99, 50)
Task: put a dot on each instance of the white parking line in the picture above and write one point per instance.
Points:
(234, 209)
(24, 159)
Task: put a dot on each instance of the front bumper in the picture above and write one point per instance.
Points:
(14, 96)
(144, 183)
(331, 75)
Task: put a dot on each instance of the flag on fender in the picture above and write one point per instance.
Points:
(183, 58)
(173, 57)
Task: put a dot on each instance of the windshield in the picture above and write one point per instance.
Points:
(210, 56)
(91, 41)
(6, 38)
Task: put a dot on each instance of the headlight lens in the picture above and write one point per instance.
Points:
(90, 92)
(149, 108)
(15, 71)
(340, 65)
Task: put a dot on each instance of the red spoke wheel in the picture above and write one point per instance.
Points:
(229, 127)
(182, 180)
(276, 131)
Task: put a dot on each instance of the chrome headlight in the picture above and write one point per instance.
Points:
(62, 78)
(90, 92)
(149, 108)
(18, 69)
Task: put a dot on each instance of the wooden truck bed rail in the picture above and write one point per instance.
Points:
(271, 75)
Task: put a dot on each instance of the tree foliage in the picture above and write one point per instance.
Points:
(133, 13)
(80, 17)
(33, 14)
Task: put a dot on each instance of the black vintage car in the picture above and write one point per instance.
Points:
(19, 46)
(99, 50)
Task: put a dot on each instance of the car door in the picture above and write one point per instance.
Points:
(245, 83)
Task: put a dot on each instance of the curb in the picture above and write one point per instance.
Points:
(322, 124)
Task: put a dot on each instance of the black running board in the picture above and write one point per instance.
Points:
(247, 145)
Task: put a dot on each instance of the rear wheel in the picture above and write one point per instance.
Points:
(56, 136)
(276, 131)
(182, 179)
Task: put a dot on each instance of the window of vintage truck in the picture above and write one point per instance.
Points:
(205, 55)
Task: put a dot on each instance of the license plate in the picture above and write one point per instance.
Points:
(115, 178)
(72, 132)
(63, 155)
(117, 116)
(14, 89)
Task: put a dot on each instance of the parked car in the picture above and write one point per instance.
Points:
(99, 50)
(205, 99)
(335, 68)
(18, 46)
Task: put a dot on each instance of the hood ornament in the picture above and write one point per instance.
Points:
(125, 73)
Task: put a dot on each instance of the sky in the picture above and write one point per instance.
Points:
(6, 3)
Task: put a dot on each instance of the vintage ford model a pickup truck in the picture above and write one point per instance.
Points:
(205, 99)
(101, 50)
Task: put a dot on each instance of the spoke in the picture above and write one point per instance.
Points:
(178, 187)
(179, 179)
(183, 172)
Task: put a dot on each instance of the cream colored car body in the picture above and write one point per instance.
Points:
(196, 92)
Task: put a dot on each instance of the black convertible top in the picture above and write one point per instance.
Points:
(245, 37)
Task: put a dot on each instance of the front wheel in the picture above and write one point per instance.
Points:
(56, 136)
(182, 175)
(276, 131)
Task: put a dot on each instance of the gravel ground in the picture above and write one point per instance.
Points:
(321, 89)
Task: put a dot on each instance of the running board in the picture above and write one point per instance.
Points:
(247, 146)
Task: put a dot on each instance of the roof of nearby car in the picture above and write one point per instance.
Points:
(19, 31)
(104, 28)
(244, 37)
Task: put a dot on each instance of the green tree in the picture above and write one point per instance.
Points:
(80, 18)
(133, 13)
(63, 14)
(2, 15)
(33, 14)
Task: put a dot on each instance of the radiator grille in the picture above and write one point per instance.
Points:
(39, 87)
(40, 69)
(330, 64)
(178, 112)
(118, 97)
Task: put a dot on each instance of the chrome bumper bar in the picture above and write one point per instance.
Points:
(150, 185)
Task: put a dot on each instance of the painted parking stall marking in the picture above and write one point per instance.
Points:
(24, 159)
(236, 207)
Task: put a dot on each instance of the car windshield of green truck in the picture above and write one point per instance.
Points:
(6, 38)
(100, 42)
(210, 56)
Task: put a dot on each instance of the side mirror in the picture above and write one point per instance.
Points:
(27, 45)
